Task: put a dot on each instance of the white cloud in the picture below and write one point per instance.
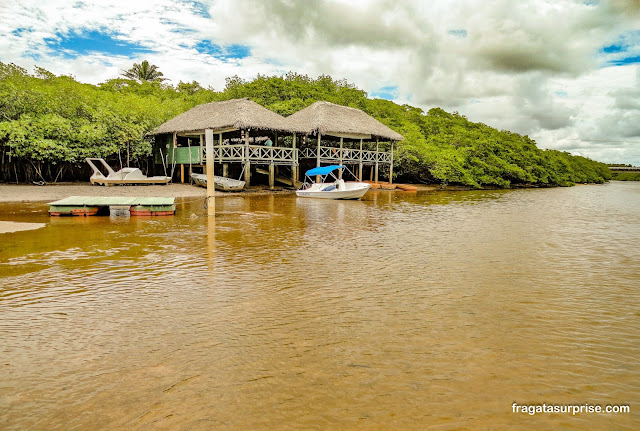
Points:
(535, 67)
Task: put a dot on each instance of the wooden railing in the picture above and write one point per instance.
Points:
(347, 155)
(238, 153)
(279, 155)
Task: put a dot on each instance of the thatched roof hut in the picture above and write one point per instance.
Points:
(236, 114)
(330, 119)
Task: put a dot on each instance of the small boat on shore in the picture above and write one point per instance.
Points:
(337, 189)
(123, 176)
(220, 183)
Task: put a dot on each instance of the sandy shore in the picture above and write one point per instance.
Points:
(12, 226)
(52, 192)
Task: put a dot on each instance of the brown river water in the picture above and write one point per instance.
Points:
(433, 310)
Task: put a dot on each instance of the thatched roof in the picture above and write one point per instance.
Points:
(331, 119)
(236, 113)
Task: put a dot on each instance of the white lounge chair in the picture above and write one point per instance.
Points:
(123, 176)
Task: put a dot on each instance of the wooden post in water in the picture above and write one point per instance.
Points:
(340, 170)
(211, 199)
(247, 162)
(318, 157)
(272, 176)
(391, 166)
(376, 176)
(360, 165)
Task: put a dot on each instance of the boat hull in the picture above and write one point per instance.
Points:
(220, 183)
(319, 191)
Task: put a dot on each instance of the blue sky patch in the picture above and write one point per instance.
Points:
(612, 49)
(76, 44)
(458, 32)
(388, 92)
(625, 61)
(223, 52)
(19, 31)
(201, 9)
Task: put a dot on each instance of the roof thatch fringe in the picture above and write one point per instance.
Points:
(328, 118)
(236, 113)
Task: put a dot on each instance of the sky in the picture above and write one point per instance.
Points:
(564, 72)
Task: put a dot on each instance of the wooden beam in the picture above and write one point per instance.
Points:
(349, 135)
(182, 173)
(211, 199)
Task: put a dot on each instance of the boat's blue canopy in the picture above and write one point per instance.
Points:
(324, 170)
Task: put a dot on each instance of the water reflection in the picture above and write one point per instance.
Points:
(428, 310)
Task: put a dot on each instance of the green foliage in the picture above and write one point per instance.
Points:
(54, 119)
(625, 176)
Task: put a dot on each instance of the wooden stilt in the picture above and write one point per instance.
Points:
(182, 173)
(294, 167)
(211, 200)
(376, 179)
(340, 170)
(272, 176)
(174, 144)
(225, 170)
(391, 166)
(200, 159)
(247, 162)
(318, 157)
(360, 165)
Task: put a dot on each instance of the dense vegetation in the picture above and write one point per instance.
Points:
(49, 124)
(625, 176)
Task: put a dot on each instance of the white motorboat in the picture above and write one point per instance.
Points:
(337, 189)
(123, 176)
(220, 183)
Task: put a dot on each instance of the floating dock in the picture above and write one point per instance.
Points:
(96, 205)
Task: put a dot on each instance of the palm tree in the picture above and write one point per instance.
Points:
(144, 72)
